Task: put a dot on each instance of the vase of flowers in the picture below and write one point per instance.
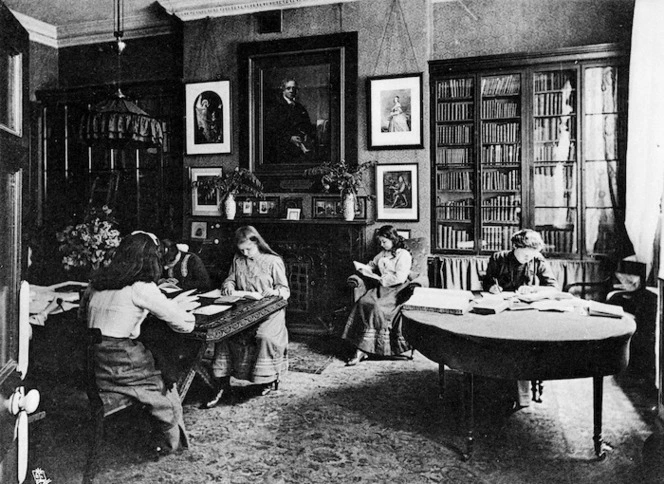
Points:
(347, 180)
(229, 185)
(88, 245)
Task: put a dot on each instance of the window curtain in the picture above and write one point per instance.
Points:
(645, 145)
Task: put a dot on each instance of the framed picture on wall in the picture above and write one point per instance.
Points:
(199, 230)
(405, 233)
(296, 112)
(395, 112)
(205, 199)
(208, 117)
(397, 193)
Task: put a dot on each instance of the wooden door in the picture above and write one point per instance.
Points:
(14, 326)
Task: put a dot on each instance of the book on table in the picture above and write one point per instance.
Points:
(490, 305)
(607, 310)
(445, 301)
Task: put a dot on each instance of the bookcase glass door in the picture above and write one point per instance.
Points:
(500, 170)
(604, 206)
(455, 166)
(554, 156)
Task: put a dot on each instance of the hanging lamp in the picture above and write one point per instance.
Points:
(117, 122)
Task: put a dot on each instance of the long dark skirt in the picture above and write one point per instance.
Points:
(374, 324)
(125, 366)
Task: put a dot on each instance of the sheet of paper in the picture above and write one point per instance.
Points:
(248, 295)
(169, 290)
(211, 309)
(215, 293)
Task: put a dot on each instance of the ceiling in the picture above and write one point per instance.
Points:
(62, 23)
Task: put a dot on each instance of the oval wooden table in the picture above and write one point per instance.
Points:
(524, 345)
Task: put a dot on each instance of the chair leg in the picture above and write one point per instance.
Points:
(97, 435)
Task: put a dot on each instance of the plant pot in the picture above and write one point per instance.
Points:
(229, 206)
(349, 206)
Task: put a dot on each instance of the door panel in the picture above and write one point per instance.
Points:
(14, 153)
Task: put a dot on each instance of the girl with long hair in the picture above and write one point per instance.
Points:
(117, 301)
(374, 324)
(257, 354)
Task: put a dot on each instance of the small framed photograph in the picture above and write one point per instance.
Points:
(268, 207)
(246, 207)
(326, 207)
(361, 208)
(290, 202)
(397, 192)
(293, 213)
(395, 112)
(205, 199)
(199, 230)
(405, 233)
(208, 117)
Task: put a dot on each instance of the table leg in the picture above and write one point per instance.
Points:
(598, 393)
(469, 413)
(184, 382)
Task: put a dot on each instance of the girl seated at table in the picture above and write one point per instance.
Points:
(523, 270)
(257, 354)
(117, 301)
(374, 324)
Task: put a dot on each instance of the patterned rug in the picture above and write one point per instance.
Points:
(310, 354)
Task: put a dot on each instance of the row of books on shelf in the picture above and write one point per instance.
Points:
(460, 210)
(501, 85)
(501, 132)
(501, 180)
(454, 88)
(453, 238)
(454, 180)
(454, 134)
(549, 81)
(501, 214)
(497, 237)
(501, 154)
(500, 108)
(553, 104)
(557, 240)
(453, 156)
(455, 111)
(552, 129)
(554, 151)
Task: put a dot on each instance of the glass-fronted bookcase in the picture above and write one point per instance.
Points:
(530, 141)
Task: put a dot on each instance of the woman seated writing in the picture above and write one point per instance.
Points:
(524, 270)
(117, 301)
(374, 324)
(259, 354)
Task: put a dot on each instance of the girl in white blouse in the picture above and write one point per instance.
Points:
(374, 324)
(116, 302)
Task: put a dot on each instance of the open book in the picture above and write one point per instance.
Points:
(370, 272)
(449, 301)
(545, 293)
(252, 295)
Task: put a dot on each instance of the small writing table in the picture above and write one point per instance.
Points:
(217, 327)
(524, 345)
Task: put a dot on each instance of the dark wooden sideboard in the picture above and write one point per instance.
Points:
(318, 255)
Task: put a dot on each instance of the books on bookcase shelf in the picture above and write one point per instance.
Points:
(450, 237)
(446, 301)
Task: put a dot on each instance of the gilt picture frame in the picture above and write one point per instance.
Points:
(394, 112)
(208, 117)
(397, 192)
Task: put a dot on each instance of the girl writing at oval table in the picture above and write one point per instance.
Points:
(257, 355)
(374, 324)
(117, 301)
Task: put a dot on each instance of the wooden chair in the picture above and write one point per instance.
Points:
(419, 276)
(102, 405)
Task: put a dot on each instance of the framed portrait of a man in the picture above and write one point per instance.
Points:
(397, 192)
(297, 108)
(208, 117)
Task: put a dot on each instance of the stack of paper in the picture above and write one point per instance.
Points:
(607, 310)
(449, 301)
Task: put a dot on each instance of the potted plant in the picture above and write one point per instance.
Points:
(348, 180)
(229, 185)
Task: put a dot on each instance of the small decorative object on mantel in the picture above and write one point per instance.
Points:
(348, 180)
(230, 184)
(85, 246)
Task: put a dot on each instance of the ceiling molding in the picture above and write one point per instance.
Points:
(38, 31)
(187, 10)
(100, 31)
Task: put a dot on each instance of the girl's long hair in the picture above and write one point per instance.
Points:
(138, 258)
(389, 232)
(248, 232)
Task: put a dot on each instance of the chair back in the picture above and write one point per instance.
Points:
(417, 248)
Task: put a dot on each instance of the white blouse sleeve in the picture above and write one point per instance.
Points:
(148, 296)
(402, 266)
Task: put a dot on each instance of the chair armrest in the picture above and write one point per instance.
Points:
(420, 281)
(354, 281)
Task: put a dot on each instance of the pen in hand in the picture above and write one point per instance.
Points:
(496, 285)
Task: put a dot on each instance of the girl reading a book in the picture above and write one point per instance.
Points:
(374, 324)
(117, 301)
(259, 353)
(523, 270)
